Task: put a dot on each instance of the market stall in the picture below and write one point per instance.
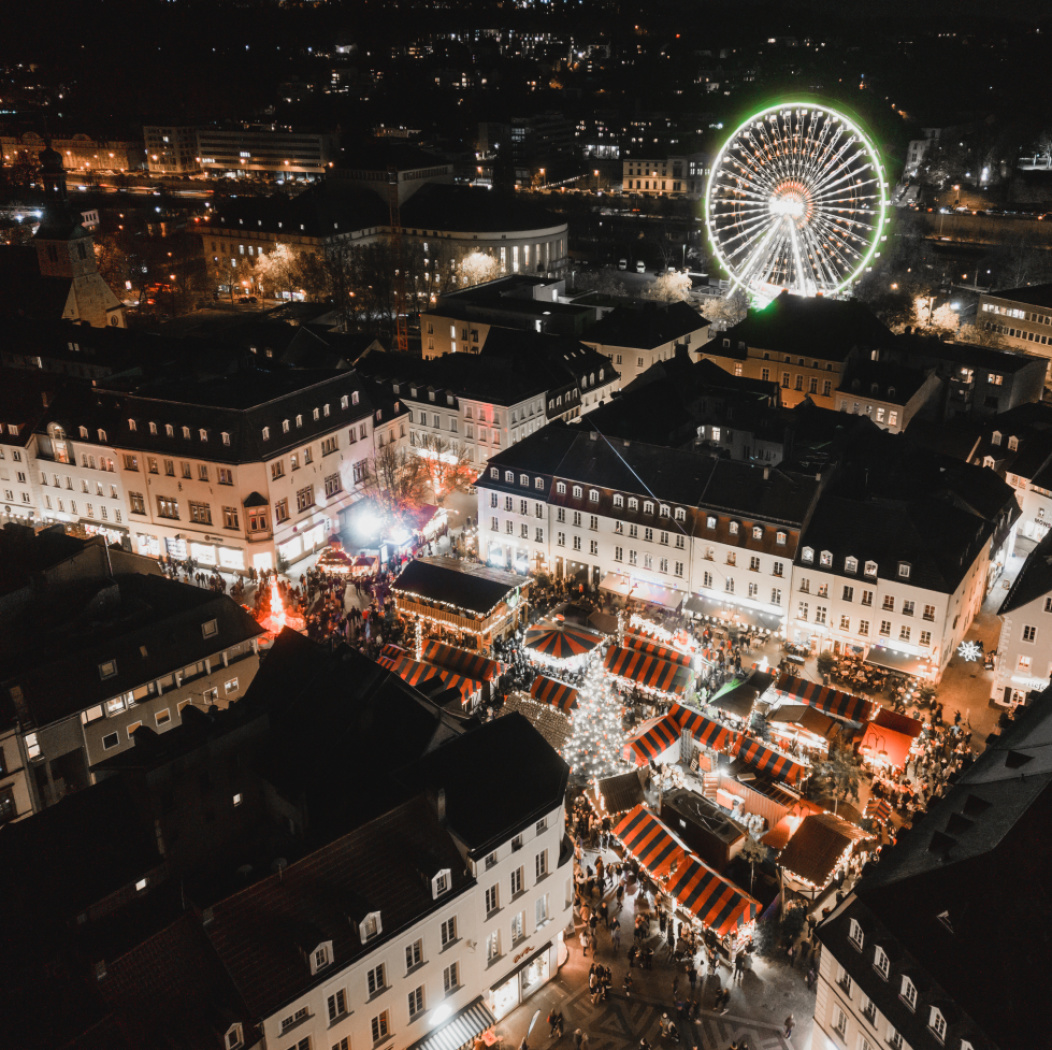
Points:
(833, 702)
(820, 849)
(334, 560)
(554, 693)
(714, 901)
(657, 849)
(706, 731)
(649, 673)
(614, 795)
(463, 661)
(657, 740)
(767, 760)
(560, 644)
(550, 722)
(884, 747)
(639, 590)
(416, 671)
(738, 697)
(805, 727)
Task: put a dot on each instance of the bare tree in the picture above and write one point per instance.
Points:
(398, 478)
(670, 288)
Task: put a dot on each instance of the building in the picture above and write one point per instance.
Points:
(469, 407)
(171, 150)
(249, 468)
(271, 150)
(896, 966)
(805, 345)
(643, 333)
(1020, 319)
(460, 320)
(382, 164)
(571, 502)
(890, 394)
(91, 655)
(58, 277)
(81, 154)
(1024, 648)
(673, 176)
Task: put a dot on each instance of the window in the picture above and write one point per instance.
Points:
(908, 992)
(381, 1027)
(337, 1005)
(807, 555)
(1029, 633)
(560, 488)
(377, 979)
(925, 638)
(855, 934)
(493, 946)
(937, 1023)
(416, 1002)
(863, 627)
(333, 484)
(492, 899)
(541, 864)
(449, 931)
(305, 498)
(516, 881)
(294, 1019)
(840, 1022)
(881, 962)
(540, 911)
(111, 740)
(733, 528)
(871, 568)
(593, 495)
(451, 978)
(885, 628)
(578, 492)
(929, 612)
(201, 513)
(889, 603)
(867, 597)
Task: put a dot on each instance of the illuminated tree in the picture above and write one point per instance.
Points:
(671, 288)
(477, 267)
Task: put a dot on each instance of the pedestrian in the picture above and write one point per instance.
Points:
(578, 1039)
(615, 935)
(790, 1024)
(739, 966)
(692, 977)
(791, 953)
(628, 985)
(619, 894)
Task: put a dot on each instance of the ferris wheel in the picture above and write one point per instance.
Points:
(796, 200)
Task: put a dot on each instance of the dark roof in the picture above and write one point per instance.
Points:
(1034, 579)
(467, 209)
(884, 381)
(265, 934)
(1029, 295)
(826, 329)
(920, 349)
(816, 847)
(24, 292)
(621, 792)
(24, 552)
(970, 880)
(150, 626)
(645, 324)
(525, 780)
(465, 585)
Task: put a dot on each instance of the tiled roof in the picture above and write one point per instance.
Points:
(265, 934)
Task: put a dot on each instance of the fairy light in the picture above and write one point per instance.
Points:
(596, 747)
(277, 608)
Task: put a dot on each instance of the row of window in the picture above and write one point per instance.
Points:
(909, 607)
(648, 560)
(821, 614)
(825, 559)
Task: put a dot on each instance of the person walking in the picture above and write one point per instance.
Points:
(790, 1024)
(739, 966)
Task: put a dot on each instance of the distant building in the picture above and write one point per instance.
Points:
(271, 150)
(81, 154)
(171, 150)
(890, 394)
(894, 969)
(1020, 318)
(667, 176)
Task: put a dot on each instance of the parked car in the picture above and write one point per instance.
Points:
(641, 267)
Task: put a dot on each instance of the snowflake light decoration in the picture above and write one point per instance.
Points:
(970, 651)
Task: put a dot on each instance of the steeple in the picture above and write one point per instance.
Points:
(53, 173)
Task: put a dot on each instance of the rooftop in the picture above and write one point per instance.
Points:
(645, 324)
(460, 584)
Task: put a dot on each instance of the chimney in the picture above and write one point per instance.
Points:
(766, 473)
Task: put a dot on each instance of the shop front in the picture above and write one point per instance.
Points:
(534, 970)
(147, 545)
(118, 536)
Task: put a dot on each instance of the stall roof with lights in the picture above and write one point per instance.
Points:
(458, 584)
(819, 844)
(829, 701)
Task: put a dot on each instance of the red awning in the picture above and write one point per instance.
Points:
(561, 641)
(883, 744)
(645, 644)
(636, 666)
(766, 760)
(463, 661)
(719, 905)
(706, 731)
(878, 809)
(831, 701)
(652, 739)
(416, 671)
(648, 840)
(551, 691)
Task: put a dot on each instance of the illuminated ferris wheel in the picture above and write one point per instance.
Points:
(796, 200)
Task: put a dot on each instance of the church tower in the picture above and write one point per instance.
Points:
(66, 250)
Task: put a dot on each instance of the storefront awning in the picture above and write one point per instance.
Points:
(830, 701)
(648, 671)
(461, 1028)
(886, 745)
(554, 693)
(718, 904)
(766, 760)
(648, 840)
(463, 661)
(626, 587)
(655, 736)
(706, 731)
(640, 641)
(903, 663)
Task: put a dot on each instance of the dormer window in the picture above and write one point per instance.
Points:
(1013, 444)
(937, 1024)
(524, 480)
(995, 438)
(299, 420)
(871, 568)
(710, 521)
(169, 430)
(904, 570)
(345, 401)
(234, 1037)
(855, 934)
(316, 414)
(509, 476)
(578, 492)
(633, 503)
(648, 507)
(102, 435)
(757, 532)
(881, 962)
(225, 437)
(354, 398)
(593, 495)
(153, 427)
(538, 483)
(850, 564)
(663, 510)
(780, 538)
(202, 434)
(494, 473)
(619, 500)
(321, 957)
(370, 926)
(733, 528)
(807, 555)
(441, 883)
(83, 432)
(132, 425)
(266, 433)
(680, 514)
(825, 559)
(908, 992)
(108, 669)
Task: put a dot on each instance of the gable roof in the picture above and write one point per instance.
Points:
(450, 581)
(645, 324)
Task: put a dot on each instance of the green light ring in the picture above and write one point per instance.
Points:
(874, 159)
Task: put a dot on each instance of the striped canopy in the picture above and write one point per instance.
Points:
(552, 691)
(653, 737)
(645, 644)
(648, 840)
(878, 809)
(416, 671)
(830, 701)
(718, 904)
(636, 666)
(561, 641)
(766, 760)
(463, 661)
(706, 731)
